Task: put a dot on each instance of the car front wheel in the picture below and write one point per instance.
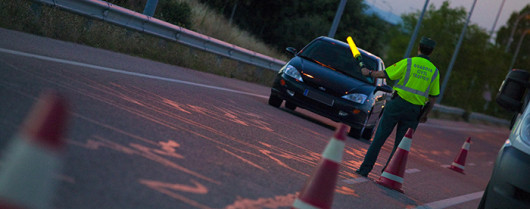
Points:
(355, 133)
(290, 105)
(358, 133)
(368, 133)
(275, 101)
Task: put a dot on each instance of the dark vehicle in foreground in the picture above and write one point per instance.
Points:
(324, 78)
(509, 185)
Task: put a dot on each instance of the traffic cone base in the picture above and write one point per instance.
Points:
(458, 164)
(20, 182)
(392, 176)
(391, 181)
(302, 205)
(33, 157)
(457, 167)
(319, 188)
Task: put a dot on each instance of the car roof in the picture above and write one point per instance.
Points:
(362, 51)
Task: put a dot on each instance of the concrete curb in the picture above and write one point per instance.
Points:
(459, 113)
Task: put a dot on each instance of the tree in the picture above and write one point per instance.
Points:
(479, 67)
(503, 36)
(295, 23)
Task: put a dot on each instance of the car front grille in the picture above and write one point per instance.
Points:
(321, 88)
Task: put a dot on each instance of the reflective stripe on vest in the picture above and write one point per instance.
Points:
(407, 77)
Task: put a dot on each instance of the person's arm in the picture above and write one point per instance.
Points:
(428, 109)
(373, 73)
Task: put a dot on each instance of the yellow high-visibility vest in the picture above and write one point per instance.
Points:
(418, 79)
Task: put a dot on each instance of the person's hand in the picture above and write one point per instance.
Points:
(365, 71)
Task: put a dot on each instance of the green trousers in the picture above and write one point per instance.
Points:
(397, 112)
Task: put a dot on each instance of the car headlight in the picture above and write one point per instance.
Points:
(358, 98)
(292, 72)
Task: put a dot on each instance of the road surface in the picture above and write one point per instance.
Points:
(143, 134)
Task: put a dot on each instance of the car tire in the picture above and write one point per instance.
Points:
(355, 133)
(368, 133)
(275, 101)
(289, 105)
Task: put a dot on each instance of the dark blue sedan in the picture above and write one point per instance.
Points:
(324, 78)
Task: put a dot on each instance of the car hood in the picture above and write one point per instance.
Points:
(329, 80)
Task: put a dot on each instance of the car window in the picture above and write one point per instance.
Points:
(338, 58)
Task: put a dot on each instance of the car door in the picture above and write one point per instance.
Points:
(379, 97)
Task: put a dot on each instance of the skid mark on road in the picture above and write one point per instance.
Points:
(243, 159)
(355, 180)
(170, 189)
(271, 202)
(142, 151)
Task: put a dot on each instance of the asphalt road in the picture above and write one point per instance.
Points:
(143, 134)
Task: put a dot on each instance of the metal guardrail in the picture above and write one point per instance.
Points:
(126, 18)
(473, 116)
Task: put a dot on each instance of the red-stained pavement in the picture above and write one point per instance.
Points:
(150, 135)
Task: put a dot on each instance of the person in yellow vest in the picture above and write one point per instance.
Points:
(414, 96)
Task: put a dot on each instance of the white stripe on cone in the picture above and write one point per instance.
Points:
(405, 143)
(466, 146)
(300, 204)
(392, 177)
(334, 150)
(27, 173)
(458, 165)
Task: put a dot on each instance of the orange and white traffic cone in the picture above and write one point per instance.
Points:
(33, 158)
(392, 176)
(319, 189)
(459, 163)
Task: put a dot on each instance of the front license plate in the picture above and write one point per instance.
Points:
(322, 98)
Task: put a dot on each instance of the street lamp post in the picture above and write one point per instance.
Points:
(415, 34)
(497, 18)
(518, 47)
(455, 54)
(336, 20)
(527, 15)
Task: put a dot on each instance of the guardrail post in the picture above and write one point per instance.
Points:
(259, 73)
(238, 70)
(219, 61)
(88, 24)
(37, 9)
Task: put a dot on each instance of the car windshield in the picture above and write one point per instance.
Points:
(338, 58)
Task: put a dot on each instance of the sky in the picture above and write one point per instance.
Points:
(484, 13)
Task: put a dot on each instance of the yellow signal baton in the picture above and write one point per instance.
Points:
(353, 47)
(355, 51)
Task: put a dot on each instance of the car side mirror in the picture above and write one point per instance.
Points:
(513, 89)
(384, 88)
(292, 50)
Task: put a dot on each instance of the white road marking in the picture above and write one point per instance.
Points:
(451, 201)
(124, 72)
(412, 170)
(183, 82)
(433, 205)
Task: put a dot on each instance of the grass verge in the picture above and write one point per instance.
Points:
(28, 16)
